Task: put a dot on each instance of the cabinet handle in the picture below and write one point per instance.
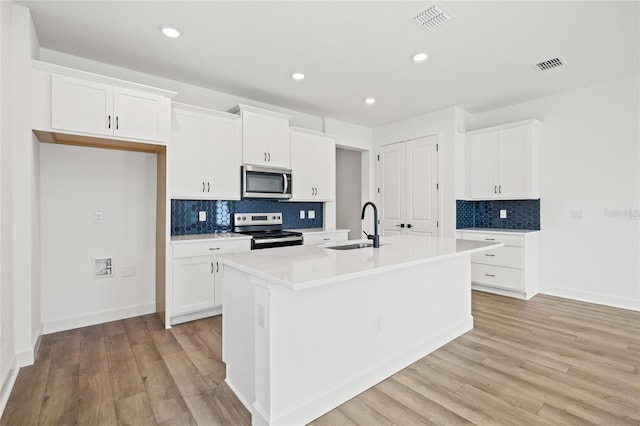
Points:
(499, 189)
(214, 248)
(490, 255)
(217, 267)
(268, 156)
(109, 122)
(495, 189)
(208, 187)
(401, 225)
(265, 156)
(116, 122)
(312, 190)
(203, 186)
(490, 239)
(490, 275)
(212, 267)
(327, 239)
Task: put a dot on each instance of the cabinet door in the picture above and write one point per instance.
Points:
(302, 166)
(324, 169)
(254, 150)
(514, 162)
(422, 186)
(81, 106)
(193, 284)
(221, 158)
(138, 115)
(187, 133)
(392, 186)
(277, 142)
(483, 165)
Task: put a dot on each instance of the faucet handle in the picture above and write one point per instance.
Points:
(369, 236)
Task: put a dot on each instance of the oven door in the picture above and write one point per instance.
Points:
(262, 243)
(265, 182)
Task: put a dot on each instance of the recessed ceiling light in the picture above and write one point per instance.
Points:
(420, 57)
(297, 76)
(370, 101)
(170, 32)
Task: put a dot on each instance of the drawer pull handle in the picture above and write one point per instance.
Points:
(327, 239)
(217, 267)
(490, 255)
(490, 275)
(212, 267)
(490, 239)
(214, 248)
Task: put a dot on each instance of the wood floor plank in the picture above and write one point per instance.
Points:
(546, 360)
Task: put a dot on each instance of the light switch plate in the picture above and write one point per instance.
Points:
(301, 214)
(577, 214)
(202, 216)
(503, 214)
(311, 214)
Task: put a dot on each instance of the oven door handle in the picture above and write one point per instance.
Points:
(276, 240)
(286, 183)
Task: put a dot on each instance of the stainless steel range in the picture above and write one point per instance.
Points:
(266, 230)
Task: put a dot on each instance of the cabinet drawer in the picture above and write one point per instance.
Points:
(509, 240)
(213, 247)
(326, 237)
(502, 256)
(497, 276)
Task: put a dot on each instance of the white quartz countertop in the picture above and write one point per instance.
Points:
(207, 237)
(316, 230)
(300, 267)
(499, 230)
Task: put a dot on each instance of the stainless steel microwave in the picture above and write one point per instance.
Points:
(266, 182)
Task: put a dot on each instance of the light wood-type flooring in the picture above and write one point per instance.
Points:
(547, 361)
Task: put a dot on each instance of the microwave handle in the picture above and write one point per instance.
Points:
(286, 183)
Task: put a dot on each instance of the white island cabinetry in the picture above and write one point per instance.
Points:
(511, 270)
(205, 154)
(197, 281)
(313, 162)
(298, 339)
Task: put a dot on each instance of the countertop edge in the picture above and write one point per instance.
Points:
(198, 238)
(499, 231)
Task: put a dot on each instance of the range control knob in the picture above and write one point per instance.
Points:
(278, 217)
(273, 217)
(244, 218)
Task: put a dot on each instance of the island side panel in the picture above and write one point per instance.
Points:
(324, 345)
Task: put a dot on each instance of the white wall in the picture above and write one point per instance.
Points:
(348, 191)
(7, 352)
(442, 123)
(76, 182)
(590, 161)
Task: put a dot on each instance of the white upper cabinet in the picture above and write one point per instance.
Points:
(205, 154)
(265, 137)
(81, 106)
(313, 163)
(502, 162)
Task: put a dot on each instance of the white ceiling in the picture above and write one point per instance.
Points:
(481, 59)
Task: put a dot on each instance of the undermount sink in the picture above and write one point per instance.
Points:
(351, 246)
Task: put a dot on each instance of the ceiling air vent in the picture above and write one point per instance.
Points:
(549, 64)
(432, 17)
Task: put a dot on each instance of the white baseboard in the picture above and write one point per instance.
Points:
(591, 297)
(28, 355)
(179, 319)
(7, 384)
(93, 318)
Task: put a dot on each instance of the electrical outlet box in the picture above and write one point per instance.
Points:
(311, 214)
(98, 218)
(377, 324)
(577, 214)
(503, 214)
(301, 214)
(102, 267)
(128, 271)
(202, 216)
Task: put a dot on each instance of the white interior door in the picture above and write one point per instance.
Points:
(422, 186)
(391, 183)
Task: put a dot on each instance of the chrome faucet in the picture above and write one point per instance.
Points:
(375, 237)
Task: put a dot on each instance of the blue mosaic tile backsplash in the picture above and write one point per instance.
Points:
(521, 214)
(184, 214)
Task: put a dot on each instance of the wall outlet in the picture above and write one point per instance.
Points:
(311, 214)
(577, 214)
(202, 216)
(98, 218)
(377, 324)
(301, 214)
(503, 214)
(634, 214)
(129, 271)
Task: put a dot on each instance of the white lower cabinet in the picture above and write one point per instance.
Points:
(511, 270)
(197, 284)
(316, 238)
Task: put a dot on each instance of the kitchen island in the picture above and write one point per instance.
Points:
(306, 328)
